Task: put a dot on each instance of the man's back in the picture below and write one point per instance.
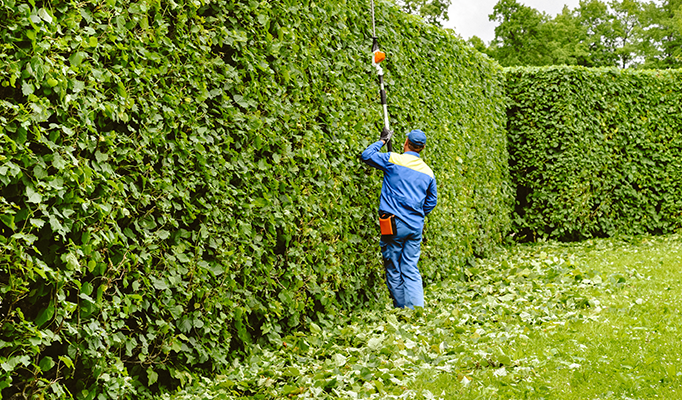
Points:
(409, 187)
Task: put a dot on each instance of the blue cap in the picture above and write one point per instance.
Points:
(417, 137)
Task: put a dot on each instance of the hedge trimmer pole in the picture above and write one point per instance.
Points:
(377, 57)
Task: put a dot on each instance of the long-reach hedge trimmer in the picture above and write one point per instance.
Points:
(377, 57)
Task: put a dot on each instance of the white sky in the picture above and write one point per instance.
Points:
(470, 17)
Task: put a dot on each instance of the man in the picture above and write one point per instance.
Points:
(409, 194)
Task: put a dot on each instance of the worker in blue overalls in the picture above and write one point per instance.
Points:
(408, 194)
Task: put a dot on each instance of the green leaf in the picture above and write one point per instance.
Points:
(33, 196)
(67, 361)
(8, 219)
(46, 364)
(57, 183)
(42, 13)
(241, 101)
(315, 329)
(152, 376)
(72, 262)
(58, 161)
(38, 68)
(182, 257)
(101, 157)
(87, 288)
(159, 284)
(45, 315)
(11, 364)
(27, 88)
(339, 360)
(290, 390)
(122, 90)
(185, 325)
(77, 58)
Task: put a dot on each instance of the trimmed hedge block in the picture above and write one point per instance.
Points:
(595, 152)
(180, 180)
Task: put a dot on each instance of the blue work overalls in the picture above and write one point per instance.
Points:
(408, 192)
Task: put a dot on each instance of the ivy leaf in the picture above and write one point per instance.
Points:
(45, 315)
(8, 219)
(56, 225)
(42, 13)
(375, 342)
(37, 68)
(152, 376)
(185, 325)
(73, 264)
(241, 101)
(46, 364)
(67, 361)
(27, 88)
(33, 196)
(315, 329)
(101, 157)
(77, 58)
(339, 359)
(159, 284)
(58, 161)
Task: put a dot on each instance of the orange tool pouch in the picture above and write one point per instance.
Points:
(387, 224)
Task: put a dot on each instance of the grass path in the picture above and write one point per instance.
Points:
(629, 347)
(594, 320)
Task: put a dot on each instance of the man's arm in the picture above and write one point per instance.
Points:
(431, 197)
(372, 157)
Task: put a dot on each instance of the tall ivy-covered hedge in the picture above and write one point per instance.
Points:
(180, 180)
(595, 152)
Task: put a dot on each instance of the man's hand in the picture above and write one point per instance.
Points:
(386, 135)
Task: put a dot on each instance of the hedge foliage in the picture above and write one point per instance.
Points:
(595, 152)
(180, 180)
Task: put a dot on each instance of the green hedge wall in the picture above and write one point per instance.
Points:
(181, 180)
(595, 152)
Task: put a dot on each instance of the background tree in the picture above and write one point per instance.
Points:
(661, 44)
(478, 44)
(627, 31)
(565, 39)
(597, 33)
(518, 38)
(599, 41)
(433, 11)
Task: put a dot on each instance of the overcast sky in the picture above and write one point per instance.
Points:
(470, 17)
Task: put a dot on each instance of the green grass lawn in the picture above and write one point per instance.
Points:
(626, 346)
(594, 320)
